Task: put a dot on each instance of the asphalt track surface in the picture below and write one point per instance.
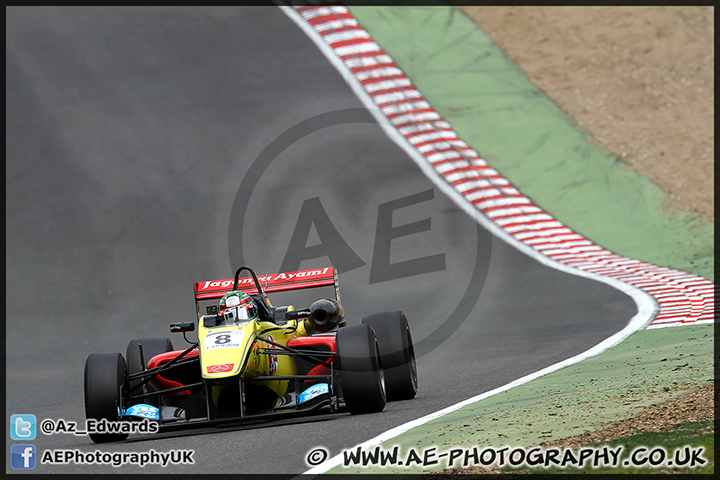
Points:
(149, 148)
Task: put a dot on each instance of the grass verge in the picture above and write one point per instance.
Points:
(687, 450)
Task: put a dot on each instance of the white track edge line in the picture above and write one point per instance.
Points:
(636, 323)
(646, 304)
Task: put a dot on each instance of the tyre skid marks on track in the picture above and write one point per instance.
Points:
(690, 299)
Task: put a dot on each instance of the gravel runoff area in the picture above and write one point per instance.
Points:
(639, 79)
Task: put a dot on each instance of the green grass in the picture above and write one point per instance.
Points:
(685, 436)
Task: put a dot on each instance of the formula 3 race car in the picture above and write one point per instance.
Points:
(254, 361)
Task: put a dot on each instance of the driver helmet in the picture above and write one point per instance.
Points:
(237, 306)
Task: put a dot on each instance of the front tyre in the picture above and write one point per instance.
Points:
(104, 385)
(397, 353)
(360, 369)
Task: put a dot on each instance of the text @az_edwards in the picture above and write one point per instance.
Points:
(536, 457)
(50, 427)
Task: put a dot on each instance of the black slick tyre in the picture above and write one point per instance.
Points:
(360, 369)
(151, 346)
(397, 353)
(104, 385)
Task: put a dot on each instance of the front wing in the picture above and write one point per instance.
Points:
(173, 417)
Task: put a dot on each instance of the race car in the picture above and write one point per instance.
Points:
(255, 361)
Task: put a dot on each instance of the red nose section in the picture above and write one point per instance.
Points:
(320, 340)
(321, 343)
(161, 383)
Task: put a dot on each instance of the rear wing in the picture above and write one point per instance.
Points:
(276, 282)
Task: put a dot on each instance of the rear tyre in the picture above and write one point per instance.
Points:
(397, 353)
(104, 386)
(360, 370)
(151, 347)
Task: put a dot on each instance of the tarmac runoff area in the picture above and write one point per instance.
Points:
(649, 367)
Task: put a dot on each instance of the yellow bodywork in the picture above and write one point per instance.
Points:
(235, 349)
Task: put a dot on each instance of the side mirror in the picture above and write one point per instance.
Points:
(280, 315)
(212, 320)
(182, 327)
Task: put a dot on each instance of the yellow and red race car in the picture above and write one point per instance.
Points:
(253, 360)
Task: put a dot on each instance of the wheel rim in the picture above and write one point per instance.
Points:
(413, 365)
(381, 372)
